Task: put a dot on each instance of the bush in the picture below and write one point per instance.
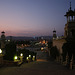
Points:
(69, 48)
(26, 53)
(54, 52)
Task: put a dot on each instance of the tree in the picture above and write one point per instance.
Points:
(50, 44)
(26, 53)
(10, 51)
(69, 48)
(54, 52)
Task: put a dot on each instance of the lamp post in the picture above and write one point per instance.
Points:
(1, 57)
(29, 57)
(21, 57)
(21, 54)
(33, 58)
(0, 51)
(15, 58)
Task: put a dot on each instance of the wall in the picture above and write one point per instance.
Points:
(59, 43)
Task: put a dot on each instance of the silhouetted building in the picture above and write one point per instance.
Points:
(3, 40)
(54, 34)
(69, 32)
(70, 25)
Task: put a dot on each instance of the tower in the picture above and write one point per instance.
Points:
(54, 34)
(2, 40)
(70, 25)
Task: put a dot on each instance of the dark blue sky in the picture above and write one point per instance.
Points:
(33, 17)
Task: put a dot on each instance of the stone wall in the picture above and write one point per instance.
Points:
(59, 43)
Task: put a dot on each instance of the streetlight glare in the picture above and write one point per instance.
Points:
(33, 56)
(27, 58)
(30, 56)
(15, 57)
(21, 54)
(0, 51)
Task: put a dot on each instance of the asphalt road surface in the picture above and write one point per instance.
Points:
(39, 67)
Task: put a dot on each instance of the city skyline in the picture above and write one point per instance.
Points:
(33, 17)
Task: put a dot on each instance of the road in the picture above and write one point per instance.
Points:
(39, 67)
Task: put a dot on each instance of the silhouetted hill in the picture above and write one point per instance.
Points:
(27, 38)
(19, 38)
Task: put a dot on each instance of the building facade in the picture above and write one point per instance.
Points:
(70, 25)
(69, 30)
(3, 40)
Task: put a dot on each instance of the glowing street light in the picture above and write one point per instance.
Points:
(29, 56)
(15, 58)
(0, 51)
(21, 57)
(33, 58)
(21, 54)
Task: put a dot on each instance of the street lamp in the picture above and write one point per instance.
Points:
(15, 58)
(33, 58)
(21, 54)
(0, 51)
(21, 57)
(29, 56)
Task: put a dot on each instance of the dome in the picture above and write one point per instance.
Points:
(54, 30)
(2, 32)
(70, 12)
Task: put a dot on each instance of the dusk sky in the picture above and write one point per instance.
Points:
(33, 17)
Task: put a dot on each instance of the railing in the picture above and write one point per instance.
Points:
(71, 64)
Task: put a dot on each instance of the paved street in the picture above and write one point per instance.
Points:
(40, 67)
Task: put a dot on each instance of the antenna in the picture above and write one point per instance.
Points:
(70, 5)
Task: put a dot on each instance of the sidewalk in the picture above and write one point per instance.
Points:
(40, 67)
